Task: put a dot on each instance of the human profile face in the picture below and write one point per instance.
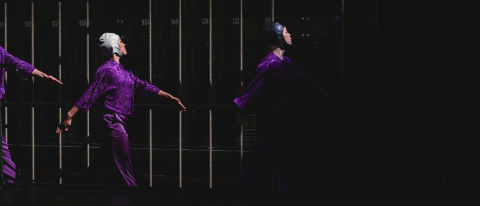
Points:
(122, 46)
(287, 36)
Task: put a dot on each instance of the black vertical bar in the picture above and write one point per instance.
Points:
(342, 84)
(445, 73)
(375, 102)
(409, 100)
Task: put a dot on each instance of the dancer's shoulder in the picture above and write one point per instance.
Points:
(268, 62)
(107, 67)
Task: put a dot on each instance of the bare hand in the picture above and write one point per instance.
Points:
(52, 81)
(66, 123)
(175, 101)
(49, 79)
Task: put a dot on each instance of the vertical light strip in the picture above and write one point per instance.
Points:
(88, 81)
(241, 79)
(60, 40)
(180, 81)
(150, 41)
(60, 165)
(6, 77)
(180, 41)
(60, 78)
(180, 149)
(33, 38)
(210, 149)
(211, 88)
(273, 10)
(88, 138)
(210, 43)
(88, 45)
(150, 174)
(241, 40)
(33, 108)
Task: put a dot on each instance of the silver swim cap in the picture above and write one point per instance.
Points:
(108, 44)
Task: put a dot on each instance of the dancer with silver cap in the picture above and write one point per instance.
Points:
(25, 70)
(115, 87)
(274, 90)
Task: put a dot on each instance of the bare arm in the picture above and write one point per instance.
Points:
(175, 101)
(47, 78)
(67, 121)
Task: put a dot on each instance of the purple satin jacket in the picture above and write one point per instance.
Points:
(274, 84)
(25, 69)
(116, 87)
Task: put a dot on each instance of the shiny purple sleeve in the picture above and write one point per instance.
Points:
(253, 92)
(146, 90)
(25, 69)
(97, 88)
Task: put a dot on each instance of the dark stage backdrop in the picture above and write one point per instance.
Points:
(400, 118)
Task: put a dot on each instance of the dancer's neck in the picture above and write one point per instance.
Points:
(116, 58)
(279, 52)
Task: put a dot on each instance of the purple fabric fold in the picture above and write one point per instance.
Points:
(114, 151)
(8, 165)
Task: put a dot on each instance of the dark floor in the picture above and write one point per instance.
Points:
(49, 194)
(54, 194)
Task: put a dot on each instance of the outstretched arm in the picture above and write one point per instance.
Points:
(49, 79)
(26, 69)
(96, 89)
(252, 94)
(67, 121)
(149, 92)
(175, 101)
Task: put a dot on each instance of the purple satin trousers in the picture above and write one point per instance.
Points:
(8, 165)
(114, 150)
